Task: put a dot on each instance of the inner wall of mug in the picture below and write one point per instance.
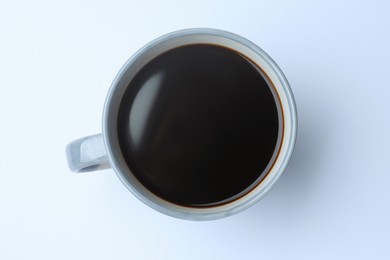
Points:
(201, 36)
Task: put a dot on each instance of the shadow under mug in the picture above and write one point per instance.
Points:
(103, 151)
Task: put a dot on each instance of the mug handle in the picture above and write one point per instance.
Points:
(87, 154)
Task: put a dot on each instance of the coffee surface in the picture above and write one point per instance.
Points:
(198, 125)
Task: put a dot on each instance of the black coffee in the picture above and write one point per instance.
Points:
(199, 125)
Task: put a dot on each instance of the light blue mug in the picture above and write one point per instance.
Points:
(103, 151)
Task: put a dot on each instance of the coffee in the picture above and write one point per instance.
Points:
(199, 125)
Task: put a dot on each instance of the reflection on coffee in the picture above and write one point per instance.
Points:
(199, 125)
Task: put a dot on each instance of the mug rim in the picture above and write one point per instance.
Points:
(169, 208)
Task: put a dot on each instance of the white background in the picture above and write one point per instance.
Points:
(57, 60)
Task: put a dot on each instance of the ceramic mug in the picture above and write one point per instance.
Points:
(103, 151)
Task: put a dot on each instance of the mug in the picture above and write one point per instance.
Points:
(108, 149)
